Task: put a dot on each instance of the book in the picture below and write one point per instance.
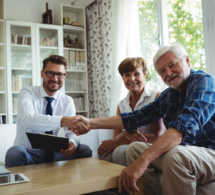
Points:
(47, 142)
(72, 57)
(4, 171)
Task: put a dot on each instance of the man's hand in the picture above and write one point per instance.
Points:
(134, 136)
(107, 146)
(81, 125)
(75, 124)
(129, 176)
(70, 151)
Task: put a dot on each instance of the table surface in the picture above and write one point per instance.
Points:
(66, 178)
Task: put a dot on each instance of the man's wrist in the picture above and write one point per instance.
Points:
(63, 121)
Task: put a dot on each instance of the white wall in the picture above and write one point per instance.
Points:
(32, 10)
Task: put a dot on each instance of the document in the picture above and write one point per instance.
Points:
(48, 142)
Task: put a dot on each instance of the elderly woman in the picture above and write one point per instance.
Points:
(133, 72)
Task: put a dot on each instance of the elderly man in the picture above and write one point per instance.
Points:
(184, 154)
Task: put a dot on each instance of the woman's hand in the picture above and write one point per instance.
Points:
(134, 136)
(107, 146)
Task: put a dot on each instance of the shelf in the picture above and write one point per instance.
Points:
(75, 49)
(68, 28)
(2, 114)
(76, 92)
(81, 111)
(21, 47)
(73, 31)
(48, 47)
(75, 71)
(15, 92)
(22, 69)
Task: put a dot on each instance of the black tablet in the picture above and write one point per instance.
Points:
(48, 142)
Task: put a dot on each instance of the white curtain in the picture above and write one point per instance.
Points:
(126, 43)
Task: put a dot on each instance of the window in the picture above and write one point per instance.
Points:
(169, 21)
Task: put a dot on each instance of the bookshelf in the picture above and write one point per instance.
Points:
(3, 99)
(48, 42)
(21, 62)
(27, 45)
(75, 51)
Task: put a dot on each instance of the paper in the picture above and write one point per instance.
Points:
(48, 142)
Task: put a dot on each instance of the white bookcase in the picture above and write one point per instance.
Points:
(75, 51)
(21, 61)
(24, 45)
(27, 45)
(3, 99)
(48, 42)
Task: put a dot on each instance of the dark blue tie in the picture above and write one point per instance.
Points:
(48, 154)
(49, 105)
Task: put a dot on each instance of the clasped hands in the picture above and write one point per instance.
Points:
(78, 124)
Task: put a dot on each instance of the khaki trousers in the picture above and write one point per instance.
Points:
(187, 170)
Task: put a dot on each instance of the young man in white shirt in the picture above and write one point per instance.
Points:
(33, 117)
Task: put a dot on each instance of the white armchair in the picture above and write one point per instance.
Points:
(7, 136)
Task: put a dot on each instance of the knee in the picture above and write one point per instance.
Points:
(84, 151)
(106, 158)
(134, 150)
(119, 155)
(14, 155)
(15, 152)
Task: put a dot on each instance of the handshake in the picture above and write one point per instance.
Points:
(82, 125)
(77, 124)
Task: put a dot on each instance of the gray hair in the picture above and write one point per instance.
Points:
(176, 48)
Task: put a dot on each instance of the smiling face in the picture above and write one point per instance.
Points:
(51, 85)
(173, 71)
(134, 81)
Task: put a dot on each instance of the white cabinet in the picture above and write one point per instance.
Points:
(75, 51)
(27, 45)
(21, 61)
(48, 42)
(3, 99)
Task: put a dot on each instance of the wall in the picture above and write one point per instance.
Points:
(32, 10)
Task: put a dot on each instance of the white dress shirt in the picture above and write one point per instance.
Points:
(32, 114)
(146, 97)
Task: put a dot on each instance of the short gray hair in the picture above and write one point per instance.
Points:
(176, 48)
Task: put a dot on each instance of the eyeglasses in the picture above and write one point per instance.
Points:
(51, 74)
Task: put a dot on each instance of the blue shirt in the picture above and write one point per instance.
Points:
(191, 112)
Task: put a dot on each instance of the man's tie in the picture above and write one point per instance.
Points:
(49, 105)
(48, 154)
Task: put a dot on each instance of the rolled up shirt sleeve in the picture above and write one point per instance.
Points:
(146, 115)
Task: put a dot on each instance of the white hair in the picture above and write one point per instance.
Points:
(176, 48)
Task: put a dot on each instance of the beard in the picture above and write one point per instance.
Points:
(46, 85)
